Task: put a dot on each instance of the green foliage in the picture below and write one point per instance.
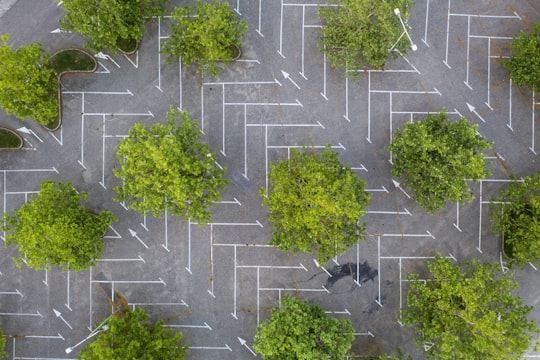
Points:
(165, 167)
(108, 23)
(130, 337)
(28, 85)
(436, 156)
(299, 331)
(516, 215)
(524, 65)
(357, 34)
(468, 311)
(3, 354)
(54, 229)
(315, 204)
(204, 34)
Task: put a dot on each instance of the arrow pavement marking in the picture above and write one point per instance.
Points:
(101, 55)
(37, 313)
(398, 186)
(382, 189)
(59, 336)
(134, 234)
(287, 76)
(243, 343)
(473, 110)
(205, 326)
(226, 347)
(26, 130)
(59, 315)
(405, 212)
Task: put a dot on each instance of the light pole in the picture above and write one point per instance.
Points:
(92, 334)
(413, 45)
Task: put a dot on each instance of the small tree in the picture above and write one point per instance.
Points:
(524, 65)
(110, 23)
(436, 157)
(315, 204)
(468, 311)
(130, 336)
(204, 34)
(165, 167)
(54, 229)
(357, 34)
(28, 85)
(301, 331)
(516, 217)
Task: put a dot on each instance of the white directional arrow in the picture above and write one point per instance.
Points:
(60, 31)
(287, 76)
(243, 343)
(26, 130)
(398, 186)
(59, 315)
(473, 110)
(134, 234)
(101, 55)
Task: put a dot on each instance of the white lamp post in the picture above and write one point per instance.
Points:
(92, 334)
(413, 45)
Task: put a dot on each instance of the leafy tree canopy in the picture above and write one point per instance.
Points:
(130, 336)
(54, 229)
(358, 34)
(436, 156)
(524, 65)
(315, 204)
(166, 167)
(28, 85)
(298, 331)
(204, 34)
(105, 23)
(516, 216)
(468, 311)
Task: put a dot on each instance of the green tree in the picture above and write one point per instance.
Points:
(524, 65)
(436, 157)
(110, 23)
(164, 167)
(54, 229)
(28, 85)
(315, 204)
(204, 34)
(130, 336)
(516, 216)
(299, 331)
(468, 311)
(358, 34)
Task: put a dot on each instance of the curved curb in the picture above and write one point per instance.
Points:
(59, 76)
(16, 135)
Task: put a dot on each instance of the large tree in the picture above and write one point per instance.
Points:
(516, 217)
(468, 311)
(436, 157)
(165, 167)
(358, 34)
(130, 336)
(524, 64)
(204, 34)
(53, 228)
(28, 84)
(110, 24)
(315, 204)
(298, 331)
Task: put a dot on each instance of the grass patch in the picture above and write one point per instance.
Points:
(72, 60)
(8, 140)
(127, 45)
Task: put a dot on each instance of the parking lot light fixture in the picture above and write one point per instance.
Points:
(413, 45)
